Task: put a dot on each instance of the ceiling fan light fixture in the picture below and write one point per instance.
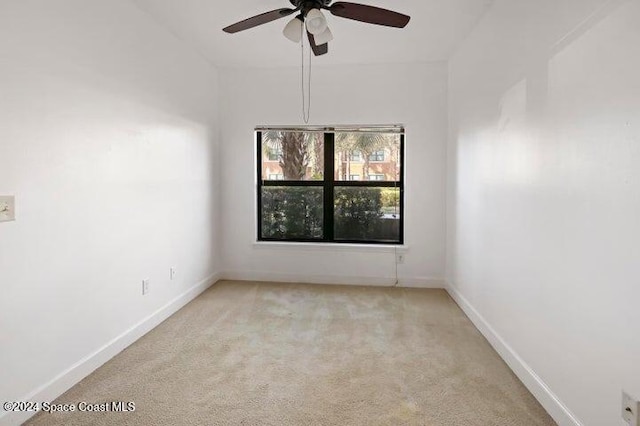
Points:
(324, 37)
(316, 22)
(293, 30)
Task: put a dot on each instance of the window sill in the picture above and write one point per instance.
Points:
(333, 247)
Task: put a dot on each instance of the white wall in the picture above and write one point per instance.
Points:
(414, 95)
(108, 139)
(544, 201)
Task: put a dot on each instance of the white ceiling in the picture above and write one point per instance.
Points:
(435, 29)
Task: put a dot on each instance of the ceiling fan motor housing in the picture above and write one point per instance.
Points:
(307, 5)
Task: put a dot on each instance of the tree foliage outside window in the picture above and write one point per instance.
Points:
(292, 212)
(317, 200)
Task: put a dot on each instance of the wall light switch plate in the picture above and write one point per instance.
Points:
(7, 208)
(630, 410)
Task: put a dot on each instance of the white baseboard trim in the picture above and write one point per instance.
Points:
(74, 374)
(433, 283)
(418, 282)
(556, 408)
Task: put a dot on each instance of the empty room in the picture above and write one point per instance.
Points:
(316, 212)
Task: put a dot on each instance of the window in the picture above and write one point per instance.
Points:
(274, 154)
(315, 192)
(355, 156)
(376, 156)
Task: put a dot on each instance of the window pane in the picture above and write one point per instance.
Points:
(371, 156)
(292, 212)
(292, 155)
(367, 214)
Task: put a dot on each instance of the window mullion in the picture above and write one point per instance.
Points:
(401, 177)
(259, 177)
(329, 176)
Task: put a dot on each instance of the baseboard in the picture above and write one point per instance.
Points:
(70, 377)
(556, 409)
(434, 283)
(418, 282)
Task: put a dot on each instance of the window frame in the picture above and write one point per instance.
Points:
(329, 183)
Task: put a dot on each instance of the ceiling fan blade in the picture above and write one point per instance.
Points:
(258, 20)
(323, 49)
(369, 14)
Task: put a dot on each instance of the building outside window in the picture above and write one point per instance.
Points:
(314, 193)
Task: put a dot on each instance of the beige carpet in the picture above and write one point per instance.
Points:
(280, 354)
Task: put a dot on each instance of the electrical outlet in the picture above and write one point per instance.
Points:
(172, 273)
(7, 208)
(630, 410)
(400, 259)
(145, 287)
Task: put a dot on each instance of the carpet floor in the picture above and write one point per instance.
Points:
(291, 354)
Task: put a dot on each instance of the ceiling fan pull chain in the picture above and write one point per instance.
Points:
(306, 106)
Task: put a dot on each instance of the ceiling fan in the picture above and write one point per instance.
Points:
(316, 24)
